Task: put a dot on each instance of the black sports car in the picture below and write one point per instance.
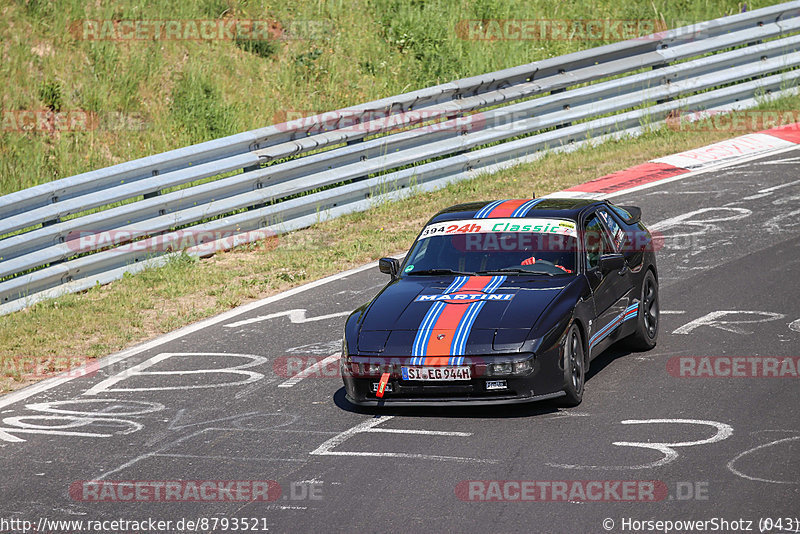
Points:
(504, 301)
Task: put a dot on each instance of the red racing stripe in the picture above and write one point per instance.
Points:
(631, 177)
(506, 208)
(438, 351)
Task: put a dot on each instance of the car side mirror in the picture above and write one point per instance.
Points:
(389, 266)
(611, 262)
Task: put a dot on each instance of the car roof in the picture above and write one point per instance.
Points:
(550, 207)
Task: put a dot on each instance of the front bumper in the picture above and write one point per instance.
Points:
(543, 381)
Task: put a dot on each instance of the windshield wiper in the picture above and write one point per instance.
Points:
(514, 270)
(440, 271)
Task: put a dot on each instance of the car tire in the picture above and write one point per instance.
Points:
(574, 355)
(647, 319)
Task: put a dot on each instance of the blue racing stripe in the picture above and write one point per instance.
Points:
(459, 343)
(462, 346)
(629, 313)
(494, 284)
(607, 329)
(523, 209)
(457, 284)
(487, 209)
(420, 345)
(463, 329)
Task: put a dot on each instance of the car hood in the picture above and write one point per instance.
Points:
(510, 309)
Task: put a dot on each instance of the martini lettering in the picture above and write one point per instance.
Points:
(465, 297)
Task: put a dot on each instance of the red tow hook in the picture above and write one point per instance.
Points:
(382, 385)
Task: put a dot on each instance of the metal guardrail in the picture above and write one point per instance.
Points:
(291, 175)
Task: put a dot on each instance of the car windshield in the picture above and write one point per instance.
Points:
(489, 246)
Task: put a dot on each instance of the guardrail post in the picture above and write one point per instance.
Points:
(152, 194)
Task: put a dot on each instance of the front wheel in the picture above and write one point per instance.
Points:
(574, 366)
(646, 334)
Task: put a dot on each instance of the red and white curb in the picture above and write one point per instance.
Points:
(707, 158)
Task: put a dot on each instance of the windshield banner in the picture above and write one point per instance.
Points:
(473, 226)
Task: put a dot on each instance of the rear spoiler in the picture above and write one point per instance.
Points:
(636, 214)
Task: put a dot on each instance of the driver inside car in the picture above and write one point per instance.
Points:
(558, 263)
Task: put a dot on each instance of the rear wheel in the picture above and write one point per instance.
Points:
(574, 366)
(646, 334)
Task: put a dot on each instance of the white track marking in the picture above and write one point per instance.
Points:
(318, 348)
(672, 312)
(5, 436)
(340, 438)
(65, 377)
(700, 226)
(754, 449)
(713, 320)
(297, 316)
(310, 370)
(162, 451)
(422, 432)
(369, 425)
(794, 160)
(227, 458)
(139, 370)
(724, 431)
(70, 422)
(54, 407)
(410, 455)
(769, 190)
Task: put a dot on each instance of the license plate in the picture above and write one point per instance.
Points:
(495, 384)
(439, 374)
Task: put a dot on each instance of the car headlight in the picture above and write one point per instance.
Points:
(501, 368)
(511, 368)
(522, 367)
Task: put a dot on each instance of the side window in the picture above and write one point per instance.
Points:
(596, 242)
(617, 233)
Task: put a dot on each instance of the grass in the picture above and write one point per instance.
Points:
(179, 92)
(154, 96)
(55, 335)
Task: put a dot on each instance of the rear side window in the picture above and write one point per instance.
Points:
(617, 233)
(596, 241)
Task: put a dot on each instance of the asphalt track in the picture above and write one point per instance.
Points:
(722, 447)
